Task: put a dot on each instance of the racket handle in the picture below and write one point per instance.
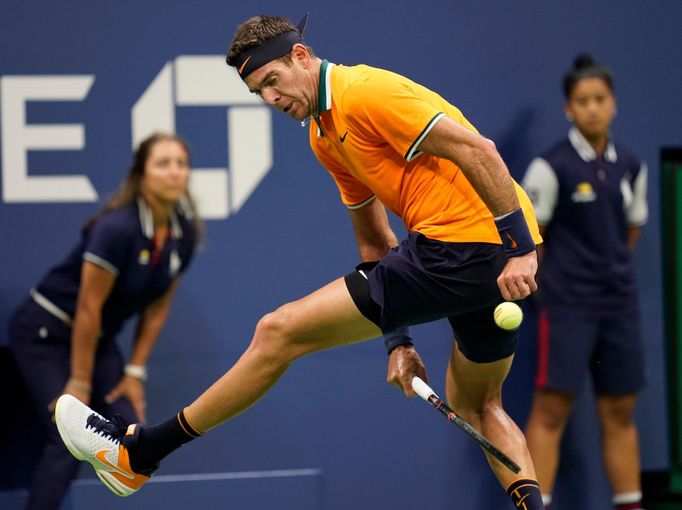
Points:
(422, 389)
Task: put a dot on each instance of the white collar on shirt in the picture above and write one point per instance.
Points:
(586, 151)
(147, 220)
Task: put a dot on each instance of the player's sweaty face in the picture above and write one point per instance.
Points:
(285, 85)
(592, 106)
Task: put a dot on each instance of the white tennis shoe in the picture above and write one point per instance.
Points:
(92, 438)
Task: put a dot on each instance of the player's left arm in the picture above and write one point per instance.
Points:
(149, 327)
(483, 167)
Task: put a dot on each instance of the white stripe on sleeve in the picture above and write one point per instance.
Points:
(99, 261)
(638, 211)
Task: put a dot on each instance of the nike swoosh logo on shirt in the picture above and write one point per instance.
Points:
(343, 138)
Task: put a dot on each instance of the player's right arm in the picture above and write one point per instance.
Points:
(374, 237)
(484, 168)
(373, 233)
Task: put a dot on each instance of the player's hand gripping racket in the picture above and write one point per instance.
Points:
(424, 391)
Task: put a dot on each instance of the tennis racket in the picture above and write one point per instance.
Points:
(424, 391)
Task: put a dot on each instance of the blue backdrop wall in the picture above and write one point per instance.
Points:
(81, 82)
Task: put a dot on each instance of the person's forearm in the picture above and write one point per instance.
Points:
(84, 340)
(148, 330)
(373, 234)
(375, 252)
(489, 176)
(150, 325)
(374, 241)
(479, 161)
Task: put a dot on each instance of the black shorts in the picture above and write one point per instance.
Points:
(422, 280)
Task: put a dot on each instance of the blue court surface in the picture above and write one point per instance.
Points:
(287, 489)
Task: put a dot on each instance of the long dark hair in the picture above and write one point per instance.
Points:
(130, 189)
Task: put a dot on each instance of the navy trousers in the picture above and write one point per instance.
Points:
(42, 348)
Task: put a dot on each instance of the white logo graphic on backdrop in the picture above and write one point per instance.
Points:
(18, 138)
(187, 81)
(205, 81)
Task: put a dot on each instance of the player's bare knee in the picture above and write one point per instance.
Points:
(477, 412)
(272, 336)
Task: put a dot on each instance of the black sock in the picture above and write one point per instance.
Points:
(525, 494)
(150, 444)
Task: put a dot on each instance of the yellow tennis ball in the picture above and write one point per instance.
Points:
(508, 315)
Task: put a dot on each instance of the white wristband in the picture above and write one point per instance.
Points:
(136, 371)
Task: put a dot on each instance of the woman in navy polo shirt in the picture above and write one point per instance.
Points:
(127, 262)
(589, 195)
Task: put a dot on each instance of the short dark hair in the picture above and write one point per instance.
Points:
(254, 32)
(584, 66)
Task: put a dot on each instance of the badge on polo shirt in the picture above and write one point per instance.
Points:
(584, 193)
(143, 257)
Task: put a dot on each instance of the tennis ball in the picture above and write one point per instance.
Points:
(508, 315)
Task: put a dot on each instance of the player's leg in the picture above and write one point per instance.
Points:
(124, 458)
(473, 391)
(324, 319)
(618, 373)
(480, 360)
(566, 342)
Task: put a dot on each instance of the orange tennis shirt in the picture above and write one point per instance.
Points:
(367, 136)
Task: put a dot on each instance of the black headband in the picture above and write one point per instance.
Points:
(270, 50)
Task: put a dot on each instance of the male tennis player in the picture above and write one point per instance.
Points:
(386, 141)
